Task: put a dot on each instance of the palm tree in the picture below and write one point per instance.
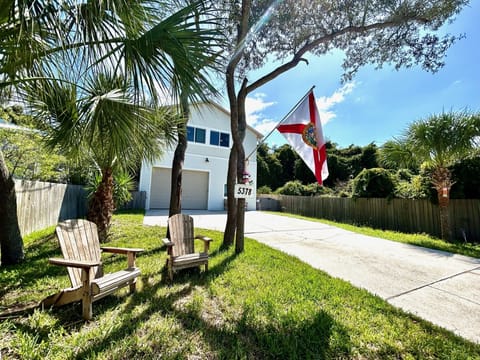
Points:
(437, 143)
(156, 49)
(102, 126)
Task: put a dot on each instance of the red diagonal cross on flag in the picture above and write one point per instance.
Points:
(303, 130)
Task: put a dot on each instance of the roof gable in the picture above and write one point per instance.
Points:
(224, 111)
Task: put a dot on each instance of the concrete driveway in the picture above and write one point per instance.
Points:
(440, 287)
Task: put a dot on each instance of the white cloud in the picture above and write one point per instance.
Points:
(254, 107)
(325, 104)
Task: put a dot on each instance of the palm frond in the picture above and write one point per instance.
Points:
(397, 153)
(176, 52)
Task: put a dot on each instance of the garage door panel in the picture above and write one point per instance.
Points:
(160, 188)
(194, 189)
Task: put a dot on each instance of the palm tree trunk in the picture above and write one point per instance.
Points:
(177, 166)
(102, 206)
(178, 160)
(11, 244)
(441, 179)
(444, 217)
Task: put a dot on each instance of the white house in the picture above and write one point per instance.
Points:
(206, 163)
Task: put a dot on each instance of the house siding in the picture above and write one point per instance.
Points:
(208, 117)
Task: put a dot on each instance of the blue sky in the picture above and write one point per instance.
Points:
(378, 104)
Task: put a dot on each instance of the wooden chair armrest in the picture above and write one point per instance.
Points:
(167, 242)
(83, 264)
(117, 250)
(206, 242)
(203, 238)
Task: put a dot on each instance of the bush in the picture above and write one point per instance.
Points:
(467, 181)
(298, 189)
(123, 184)
(264, 190)
(375, 183)
(315, 189)
(291, 188)
(417, 188)
(404, 175)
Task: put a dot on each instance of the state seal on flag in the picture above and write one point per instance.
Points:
(308, 135)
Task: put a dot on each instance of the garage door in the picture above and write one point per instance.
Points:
(194, 192)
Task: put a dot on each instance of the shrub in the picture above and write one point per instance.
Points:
(298, 189)
(291, 188)
(375, 183)
(123, 184)
(315, 189)
(417, 188)
(264, 190)
(404, 175)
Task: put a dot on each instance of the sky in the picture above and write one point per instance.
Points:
(376, 105)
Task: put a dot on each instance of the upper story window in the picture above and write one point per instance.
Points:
(197, 135)
(219, 139)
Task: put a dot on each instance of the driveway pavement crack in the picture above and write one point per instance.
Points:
(432, 283)
(457, 295)
(280, 231)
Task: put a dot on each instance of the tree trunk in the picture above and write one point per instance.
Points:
(242, 129)
(102, 206)
(444, 217)
(441, 179)
(11, 244)
(178, 160)
(232, 222)
(230, 226)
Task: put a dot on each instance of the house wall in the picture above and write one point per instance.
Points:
(208, 117)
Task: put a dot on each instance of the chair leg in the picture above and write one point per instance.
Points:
(87, 309)
(169, 269)
(206, 267)
(133, 286)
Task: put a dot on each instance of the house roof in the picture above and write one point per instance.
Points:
(258, 134)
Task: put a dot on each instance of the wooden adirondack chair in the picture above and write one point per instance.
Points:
(180, 246)
(80, 246)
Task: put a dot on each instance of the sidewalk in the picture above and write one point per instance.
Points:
(440, 287)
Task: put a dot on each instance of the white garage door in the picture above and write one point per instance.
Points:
(194, 192)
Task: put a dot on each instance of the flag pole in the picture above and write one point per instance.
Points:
(283, 119)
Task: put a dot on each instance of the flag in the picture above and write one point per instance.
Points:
(303, 130)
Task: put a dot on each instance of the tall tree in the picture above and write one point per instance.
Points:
(103, 126)
(401, 33)
(147, 42)
(438, 142)
(211, 62)
(175, 206)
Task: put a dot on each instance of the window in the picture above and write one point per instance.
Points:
(224, 140)
(200, 135)
(190, 133)
(196, 135)
(219, 139)
(214, 138)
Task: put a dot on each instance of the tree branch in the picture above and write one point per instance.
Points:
(297, 57)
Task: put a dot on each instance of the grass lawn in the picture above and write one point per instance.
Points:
(424, 240)
(261, 304)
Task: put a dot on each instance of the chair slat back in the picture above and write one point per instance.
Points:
(78, 240)
(181, 234)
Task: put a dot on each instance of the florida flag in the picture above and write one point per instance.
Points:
(303, 130)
